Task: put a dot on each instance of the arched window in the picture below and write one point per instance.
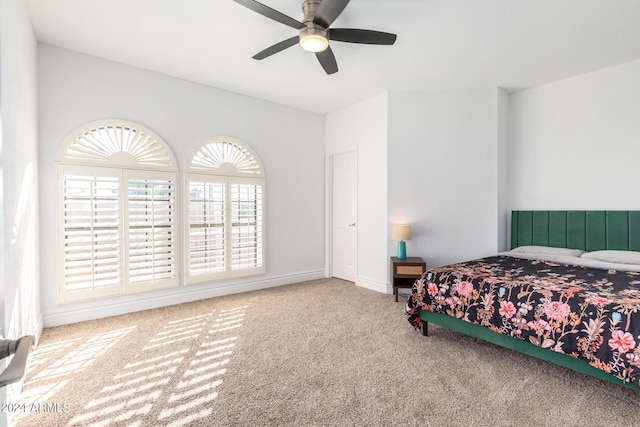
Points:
(224, 180)
(116, 211)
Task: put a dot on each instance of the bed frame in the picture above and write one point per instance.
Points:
(586, 230)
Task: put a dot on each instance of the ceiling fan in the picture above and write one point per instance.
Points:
(314, 32)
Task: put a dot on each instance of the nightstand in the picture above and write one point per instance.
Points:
(404, 272)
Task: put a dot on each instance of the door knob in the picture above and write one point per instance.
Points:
(352, 225)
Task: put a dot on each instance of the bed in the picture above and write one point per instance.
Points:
(568, 292)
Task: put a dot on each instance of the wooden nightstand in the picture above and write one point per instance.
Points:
(404, 272)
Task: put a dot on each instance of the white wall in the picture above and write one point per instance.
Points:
(575, 143)
(75, 89)
(364, 125)
(432, 160)
(504, 214)
(443, 166)
(19, 278)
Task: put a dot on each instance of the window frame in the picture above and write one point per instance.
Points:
(139, 154)
(229, 175)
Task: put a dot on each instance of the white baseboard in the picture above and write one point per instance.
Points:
(39, 327)
(374, 285)
(138, 302)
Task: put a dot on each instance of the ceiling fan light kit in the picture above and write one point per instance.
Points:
(314, 39)
(314, 33)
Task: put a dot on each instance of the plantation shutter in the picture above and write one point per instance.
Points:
(225, 226)
(246, 226)
(151, 227)
(207, 241)
(117, 212)
(91, 232)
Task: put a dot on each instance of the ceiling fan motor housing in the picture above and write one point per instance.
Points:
(309, 8)
(312, 36)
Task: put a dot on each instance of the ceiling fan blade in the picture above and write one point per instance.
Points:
(276, 48)
(328, 11)
(351, 35)
(327, 60)
(271, 13)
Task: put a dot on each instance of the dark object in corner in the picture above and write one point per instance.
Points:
(20, 348)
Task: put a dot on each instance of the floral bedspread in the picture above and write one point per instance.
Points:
(586, 313)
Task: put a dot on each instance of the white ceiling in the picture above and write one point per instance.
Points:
(442, 44)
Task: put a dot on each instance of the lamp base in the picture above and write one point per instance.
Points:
(402, 250)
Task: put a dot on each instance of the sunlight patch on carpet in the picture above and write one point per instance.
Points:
(168, 377)
(54, 366)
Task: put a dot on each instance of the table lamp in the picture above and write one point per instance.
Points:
(401, 233)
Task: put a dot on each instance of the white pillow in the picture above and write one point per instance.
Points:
(547, 250)
(620, 257)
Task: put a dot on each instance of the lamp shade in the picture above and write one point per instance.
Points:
(401, 232)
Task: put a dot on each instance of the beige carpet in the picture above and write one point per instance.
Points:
(323, 352)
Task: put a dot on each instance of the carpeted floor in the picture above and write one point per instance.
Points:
(323, 352)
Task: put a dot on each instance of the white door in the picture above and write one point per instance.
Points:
(344, 237)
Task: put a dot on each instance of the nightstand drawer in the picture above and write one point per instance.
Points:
(404, 272)
(409, 270)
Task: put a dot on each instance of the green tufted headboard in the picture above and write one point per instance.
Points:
(586, 230)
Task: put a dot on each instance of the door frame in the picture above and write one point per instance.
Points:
(330, 154)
